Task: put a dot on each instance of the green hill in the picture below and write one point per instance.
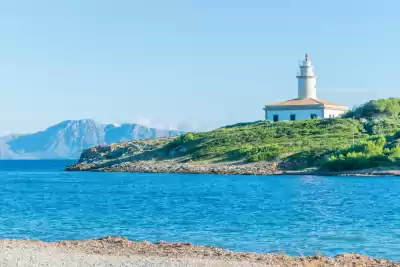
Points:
(327, 144)
(370, 140)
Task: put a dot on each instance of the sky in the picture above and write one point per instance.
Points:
(192, 65)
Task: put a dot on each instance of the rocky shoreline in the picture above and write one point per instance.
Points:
(169, 166)
(119, 251)
(151, 156)
(175, 167)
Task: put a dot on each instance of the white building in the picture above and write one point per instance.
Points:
(306, 105)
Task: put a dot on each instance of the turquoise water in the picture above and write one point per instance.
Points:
(294, 214)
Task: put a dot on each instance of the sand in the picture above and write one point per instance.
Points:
(118, 251)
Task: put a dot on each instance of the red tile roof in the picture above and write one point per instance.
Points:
(307, 101)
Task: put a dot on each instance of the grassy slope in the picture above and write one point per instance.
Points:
(332, 144)
(264, 140)
(370, 140)
(295, 145)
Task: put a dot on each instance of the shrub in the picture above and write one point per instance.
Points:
(367, 154)
(394, 153)
(376, 108)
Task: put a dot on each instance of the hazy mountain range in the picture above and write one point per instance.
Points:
(68, 138)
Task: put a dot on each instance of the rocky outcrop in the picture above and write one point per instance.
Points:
(151, 156)
(122, 150)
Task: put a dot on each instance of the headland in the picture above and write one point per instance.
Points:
(365, 141)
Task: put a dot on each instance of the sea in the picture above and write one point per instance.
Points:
(296, 215)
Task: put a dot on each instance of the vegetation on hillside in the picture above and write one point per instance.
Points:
(389, 107)
(366, 137)
(332, 144)
(265, 140)
(378, 151)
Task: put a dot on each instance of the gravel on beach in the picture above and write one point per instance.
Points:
(118, 251)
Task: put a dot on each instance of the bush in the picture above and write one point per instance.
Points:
(367, 154)
(394, 153)
(382, 126)
(376, 108)
(253, 154)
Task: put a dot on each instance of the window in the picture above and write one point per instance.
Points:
(292, 117)
(276, 118)
(313, 116)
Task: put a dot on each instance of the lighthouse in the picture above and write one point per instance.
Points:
(307, 80)
(306, 105)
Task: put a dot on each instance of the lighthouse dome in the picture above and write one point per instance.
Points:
(306, 62)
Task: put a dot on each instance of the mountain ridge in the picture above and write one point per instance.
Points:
(67, 139)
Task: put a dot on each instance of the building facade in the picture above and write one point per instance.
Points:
(306, 105)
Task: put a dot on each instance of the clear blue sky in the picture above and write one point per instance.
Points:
(192, 64)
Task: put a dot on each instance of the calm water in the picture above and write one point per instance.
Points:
(295, 214)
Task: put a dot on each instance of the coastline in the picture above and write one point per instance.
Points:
(119, 251)
(170, 166)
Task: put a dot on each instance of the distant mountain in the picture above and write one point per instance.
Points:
(68, 138)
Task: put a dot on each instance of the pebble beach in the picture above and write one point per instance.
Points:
(119, 251)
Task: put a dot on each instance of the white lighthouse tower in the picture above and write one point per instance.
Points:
(306, 105)
(307, 80)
